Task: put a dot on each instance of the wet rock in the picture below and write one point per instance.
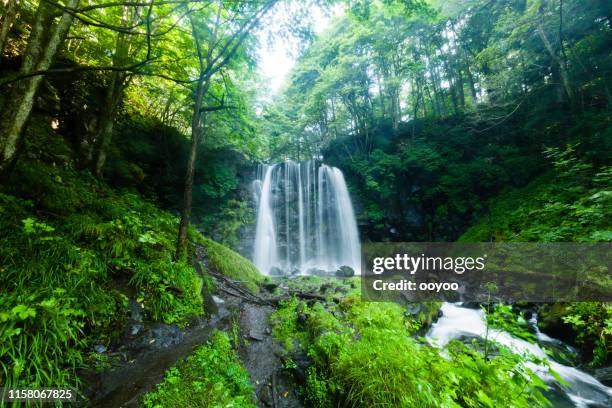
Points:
(295, 272)
(471, 305)
(257, 336)
(265, 396)
(135, 310)
(275, 271)
(270, 286)
(135, 329)
(325, 287)
(99, 348)
(341, 289)
(345, 272)
(158, 337)
(317, 272)
(413, 309)
(297, 366)
(210, 306)
(551, 322)
(218, 300)
(604, 375)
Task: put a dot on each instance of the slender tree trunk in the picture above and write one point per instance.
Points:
(6, 23)
(382, 98)
(114, 95)
(44, 42)
(557, 60)
(415, 111)
(196, 130)
(107, 123)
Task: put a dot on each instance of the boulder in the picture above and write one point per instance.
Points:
(345, 272)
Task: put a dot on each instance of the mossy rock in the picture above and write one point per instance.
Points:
(231, 264)
(551, 322)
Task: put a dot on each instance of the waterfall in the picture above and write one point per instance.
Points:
(305, 220)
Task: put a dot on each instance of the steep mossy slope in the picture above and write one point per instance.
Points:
(74, 250)
(571, 203)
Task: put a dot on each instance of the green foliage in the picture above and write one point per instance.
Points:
(72, 247)
(570, 203)
(227, 262)
(362, 354)
(504, 317)
(41, 333)
(150, 156)
(211, 377)
(284, 323)
(593, 324)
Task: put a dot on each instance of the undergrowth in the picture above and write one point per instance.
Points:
(571, 203)
(72, 250)
(211, 377)
(365, 354)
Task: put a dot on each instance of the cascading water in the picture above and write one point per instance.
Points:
(305, 220)
(582, 390)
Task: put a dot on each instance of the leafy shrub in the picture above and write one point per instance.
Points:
(504, 317)
(592, 321)
(40, 334)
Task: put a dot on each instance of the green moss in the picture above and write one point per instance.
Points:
(211, 377)
(227, 262)
(284, 323)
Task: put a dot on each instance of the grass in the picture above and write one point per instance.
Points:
(211, 377)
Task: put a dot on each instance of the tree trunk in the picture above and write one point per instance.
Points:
(106, 124)
(557, 60)
(7, 23)
(196, 129)
(114, 95)
(43, 44)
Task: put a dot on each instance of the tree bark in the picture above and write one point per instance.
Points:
(7, 23)
(43, 44)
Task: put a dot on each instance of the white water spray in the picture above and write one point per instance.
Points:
(305, 220)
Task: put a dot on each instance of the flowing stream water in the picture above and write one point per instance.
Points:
(305, 220)
(582, 391)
